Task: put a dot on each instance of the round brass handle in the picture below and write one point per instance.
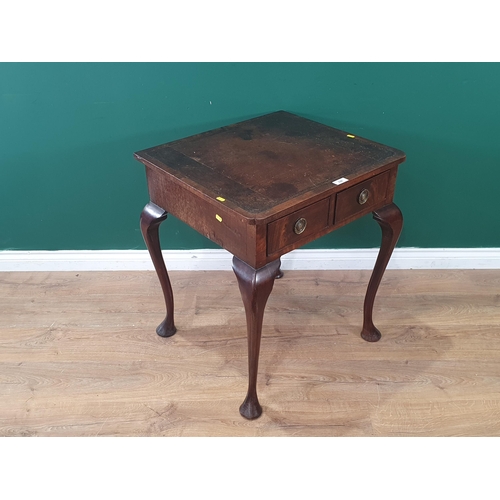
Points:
(300, 226)
(363, 196)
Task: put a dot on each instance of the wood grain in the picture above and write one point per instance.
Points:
(79, 355)
(230, 183)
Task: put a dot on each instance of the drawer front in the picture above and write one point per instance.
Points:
(296, 226)
(362, 197)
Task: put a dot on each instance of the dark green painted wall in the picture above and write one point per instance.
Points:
(68, 131)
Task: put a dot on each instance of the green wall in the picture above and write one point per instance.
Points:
(67, 134)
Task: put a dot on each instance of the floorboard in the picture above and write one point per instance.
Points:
(79, 355)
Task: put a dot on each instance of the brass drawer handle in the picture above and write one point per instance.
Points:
(363, 196)
(300, 226)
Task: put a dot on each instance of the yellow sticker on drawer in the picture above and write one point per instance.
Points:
(340, 181)
(218, 217)
(351, 136)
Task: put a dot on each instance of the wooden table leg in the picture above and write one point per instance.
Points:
(390, 220)
(151, 218)
(255, 287)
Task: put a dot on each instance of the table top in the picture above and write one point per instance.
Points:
(259, 165)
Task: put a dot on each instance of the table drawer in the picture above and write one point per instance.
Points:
(298, 225)
(362, 197)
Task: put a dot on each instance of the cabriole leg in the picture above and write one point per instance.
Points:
(255, 287)
(390, 220)
(151, 218)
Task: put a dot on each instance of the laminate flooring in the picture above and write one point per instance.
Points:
(79, 355)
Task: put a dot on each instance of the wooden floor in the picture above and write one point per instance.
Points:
(79, 355)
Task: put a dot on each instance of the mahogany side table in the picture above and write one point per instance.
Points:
(261, 188)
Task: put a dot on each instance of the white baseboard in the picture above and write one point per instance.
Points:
(215, 260)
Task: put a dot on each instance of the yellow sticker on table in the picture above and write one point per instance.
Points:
(218, 217)
(220, 198)
(351, 136)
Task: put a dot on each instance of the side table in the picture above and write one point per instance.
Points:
(261, 188)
